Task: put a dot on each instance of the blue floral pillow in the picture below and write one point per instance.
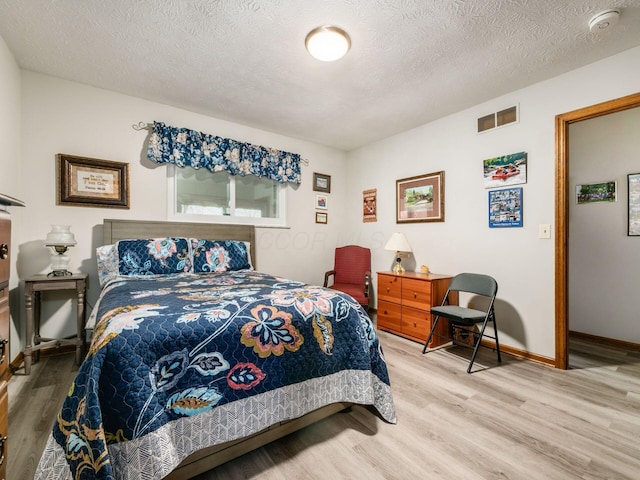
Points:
(154, 256)
(219, 255)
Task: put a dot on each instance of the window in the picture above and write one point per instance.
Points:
(200, 195)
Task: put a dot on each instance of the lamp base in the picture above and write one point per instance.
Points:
(398, 269)
(59, 262)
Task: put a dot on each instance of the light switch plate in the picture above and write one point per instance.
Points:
(544, 230)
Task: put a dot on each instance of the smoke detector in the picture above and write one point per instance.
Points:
(604, 20)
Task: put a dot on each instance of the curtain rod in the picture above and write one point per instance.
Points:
(149, 127)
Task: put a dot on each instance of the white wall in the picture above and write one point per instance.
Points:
(464, 242)
(59, 116)
(604, 263)
(10, 164)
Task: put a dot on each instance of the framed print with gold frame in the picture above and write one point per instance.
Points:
(420, 198)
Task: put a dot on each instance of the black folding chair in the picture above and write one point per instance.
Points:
(463, 319)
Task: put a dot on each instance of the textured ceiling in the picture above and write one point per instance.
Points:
(411, 61)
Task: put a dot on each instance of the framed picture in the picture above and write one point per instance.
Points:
(596, 192)
(369, 205)
(633, 180)
(506, 170)
(505, 208)
(89, 182)
(321, 202)
(420, 199)
(321, 182)
(321, 217)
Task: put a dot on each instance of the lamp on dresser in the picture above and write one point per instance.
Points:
(399, 244)
(59, 239)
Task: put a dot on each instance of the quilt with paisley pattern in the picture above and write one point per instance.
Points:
(181, 362)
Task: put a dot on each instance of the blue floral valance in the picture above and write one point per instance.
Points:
(188, 148)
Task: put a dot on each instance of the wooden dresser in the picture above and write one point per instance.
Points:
(404, 304)
(5, 270)
(5, 267)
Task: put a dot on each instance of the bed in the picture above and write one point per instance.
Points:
(197, 357)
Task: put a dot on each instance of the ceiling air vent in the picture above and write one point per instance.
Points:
(498, 119)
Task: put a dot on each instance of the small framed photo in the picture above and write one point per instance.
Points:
(321, 182)
(634, 204)
(321, 202)
(89, 182)
(321, 217)
(596, 192)
(505, 208)
(420, 199)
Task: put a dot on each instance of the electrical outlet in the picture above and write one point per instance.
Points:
(544, 230)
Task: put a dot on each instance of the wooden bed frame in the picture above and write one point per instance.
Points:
(208, 458)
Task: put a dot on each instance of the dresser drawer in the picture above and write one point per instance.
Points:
(416, 293)
(4, 428)
(388, 315)
(416, 323)
(389, 287)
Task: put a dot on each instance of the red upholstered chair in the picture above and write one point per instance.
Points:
(352, 273)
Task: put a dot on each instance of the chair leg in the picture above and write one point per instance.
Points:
(475, 349)
(433, 329)
(495, 329)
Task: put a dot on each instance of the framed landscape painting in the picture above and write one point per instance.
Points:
(420, 199)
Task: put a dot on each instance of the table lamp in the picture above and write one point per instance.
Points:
(398, 243)
(59, 239)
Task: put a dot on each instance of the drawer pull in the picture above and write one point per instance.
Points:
(3, 347)
(4, 251)
(415, 295)
(3, 440)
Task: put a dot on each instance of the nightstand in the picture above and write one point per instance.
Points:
(33, 286)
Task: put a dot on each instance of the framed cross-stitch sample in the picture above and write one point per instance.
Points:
(369, 208)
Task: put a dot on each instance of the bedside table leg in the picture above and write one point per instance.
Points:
(81, 338)
(28, 307)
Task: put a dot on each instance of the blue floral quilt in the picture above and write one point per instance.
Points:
(182, 362)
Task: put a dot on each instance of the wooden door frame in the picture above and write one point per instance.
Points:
(563, 196)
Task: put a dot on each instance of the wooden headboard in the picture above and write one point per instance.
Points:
(114, 230)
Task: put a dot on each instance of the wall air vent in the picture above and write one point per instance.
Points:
(498, 119)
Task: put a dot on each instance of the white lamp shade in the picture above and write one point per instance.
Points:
(398, 243)
(60, 235)
(327, 43)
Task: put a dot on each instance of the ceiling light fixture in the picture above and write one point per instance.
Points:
(604, 20)
(327, 43)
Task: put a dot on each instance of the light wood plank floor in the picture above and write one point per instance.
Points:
(518, 420)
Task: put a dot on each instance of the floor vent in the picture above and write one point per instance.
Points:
(498, 119)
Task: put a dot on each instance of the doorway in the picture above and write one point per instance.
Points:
(563, 196)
